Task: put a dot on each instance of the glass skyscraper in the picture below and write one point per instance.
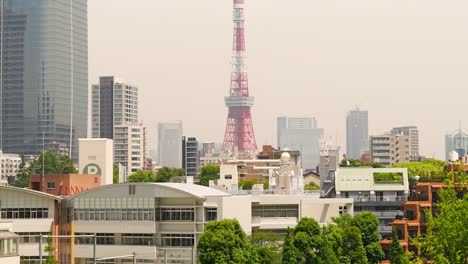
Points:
(357, 133)
(44, 75)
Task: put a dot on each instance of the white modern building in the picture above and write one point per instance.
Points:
(300, 134)
(413, 135)
(9, 166)
(390, 149)
(96, 157)
(357, 133)
(8, 244)
(130, 147)
(170, 144)
(114, 102)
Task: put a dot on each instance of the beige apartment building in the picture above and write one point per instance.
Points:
(390, 149)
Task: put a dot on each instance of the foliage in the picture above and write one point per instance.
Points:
(428, 170)
(115, 174)
(397, 253)
(353, 248)
(388, 177)
(446, 240)
(23, 175)
(165, 174)
(311, 186)
(248, 184)
(53, 164)
(368, 225)
(49, 248)
(207, 173)
(358, 163)
(142, 176)
(291, 255)
(267, 247)
(225, 242)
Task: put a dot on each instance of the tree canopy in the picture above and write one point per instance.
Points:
(163, 175)
(428, 170)
(207, 173)
(142, 176)
(311, 186)
(358, 163)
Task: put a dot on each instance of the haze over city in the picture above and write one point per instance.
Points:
(405, 62)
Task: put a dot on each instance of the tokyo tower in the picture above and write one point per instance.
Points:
(239, 136)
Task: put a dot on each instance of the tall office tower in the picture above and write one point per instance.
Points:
(390, 149)
(114, 103)
(170, 144)
(456, 141)
(130, 147)
(357, 133)
(190, 156)
(413, 134)
(44, 75)
(239, 135)
(303, 135)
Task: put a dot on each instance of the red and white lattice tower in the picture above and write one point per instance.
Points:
(239, 136)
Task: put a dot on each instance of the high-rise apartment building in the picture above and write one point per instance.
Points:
(357, 133)
(130, 147)
(456, 141)
(9, 166)
(413, 134)
(390, 149)
(44, 75)
(114, 103)
(190, 156)
(303, 135)
(170, 144)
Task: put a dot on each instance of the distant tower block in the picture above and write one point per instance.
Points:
(239, 136)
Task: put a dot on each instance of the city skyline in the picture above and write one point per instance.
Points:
(327, 55)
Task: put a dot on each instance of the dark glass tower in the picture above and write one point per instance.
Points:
(44, 75)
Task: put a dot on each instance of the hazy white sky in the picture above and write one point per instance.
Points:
(406, 61)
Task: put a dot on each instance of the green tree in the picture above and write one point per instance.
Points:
(65, 165)
(248, 184)
(368, 224)
(397, 253)
(23, 175)
(225, 242)
(311, 186)
(353, 248)
(428, 170)
(53, 164)
(291, 254)
(115, 174)
(142, 176)
(207, 173)
(165, 174)
(358, 163)
(446, 240)
(49, 248)
(267, 247)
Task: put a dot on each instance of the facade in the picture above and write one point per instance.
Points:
(130, 147)
(457, 141)
(372, 191)
(64, 184)
(31, 214)
(190, 156)
(96, 157)
(44, 69)
(300, 134)
(8, 244)
(390, 149)
(357, 133)
(170, 144)
(114, 103)
(9, 166)
(413, 135)
(208, 149)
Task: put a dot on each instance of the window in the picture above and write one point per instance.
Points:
(138, 239)
(211, 214)
(177, 240)
(228, 177)
(343, 209)
(175, 214)
(285, 210)
(51, 185)
(24, 213)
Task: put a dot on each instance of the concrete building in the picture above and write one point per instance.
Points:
(357, 133)
(413, 135)
(300, 134)
(96, 157)
(390, 149)
(9, 166)
(44, 69)
(170, 144)
(190, 156)
(456, 141)
(130, 147)
(208, 149)
(64, 184)
(8, 244)
(114, 103)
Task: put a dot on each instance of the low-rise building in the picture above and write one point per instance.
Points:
(64, 184)
(8, 244)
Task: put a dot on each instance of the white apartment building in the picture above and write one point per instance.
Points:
(390, 149)
(170, 144)
(413, 134)
(9, 165)
(130, 147)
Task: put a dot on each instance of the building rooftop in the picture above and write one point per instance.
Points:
(30, 191)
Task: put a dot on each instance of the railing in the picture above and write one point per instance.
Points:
(377, 198)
